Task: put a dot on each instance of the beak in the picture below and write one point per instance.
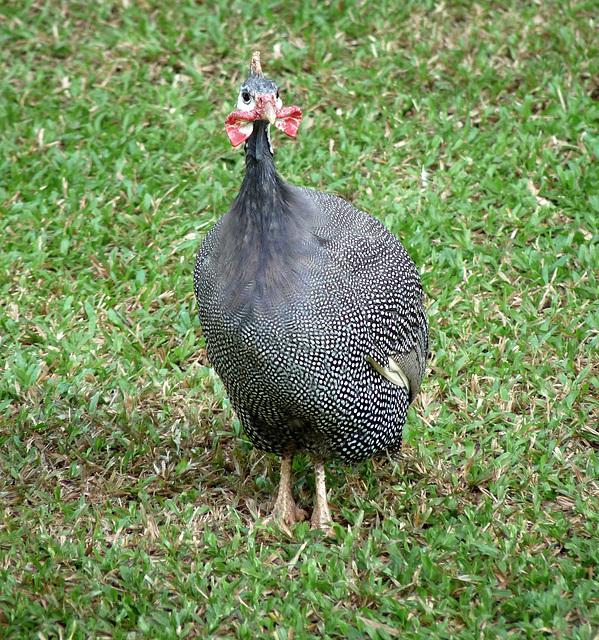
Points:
(270, 113)
(266, 108)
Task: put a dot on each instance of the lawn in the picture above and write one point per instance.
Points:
(130, 502)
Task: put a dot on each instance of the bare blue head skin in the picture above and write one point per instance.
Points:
(259, 101)
(259, 84)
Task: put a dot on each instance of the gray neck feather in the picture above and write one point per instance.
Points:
(267, 235)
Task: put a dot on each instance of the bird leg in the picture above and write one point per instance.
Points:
(321, 516)
(285, 508)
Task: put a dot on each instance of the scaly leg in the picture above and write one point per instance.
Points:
(285, 507)
(321, 516)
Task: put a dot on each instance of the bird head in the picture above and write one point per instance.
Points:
(259, 100)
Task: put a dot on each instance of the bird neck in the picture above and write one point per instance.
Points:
(261, 185)
(257, 147)
(260, 213)
(267, 230)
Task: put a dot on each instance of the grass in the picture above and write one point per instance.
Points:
(129, 499)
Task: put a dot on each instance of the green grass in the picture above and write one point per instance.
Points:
(128, 498)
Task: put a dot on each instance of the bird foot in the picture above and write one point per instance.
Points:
(285, 512)
(321, 516)
(321, 519)
(286, 515)
(326, 530)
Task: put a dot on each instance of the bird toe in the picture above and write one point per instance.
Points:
(287, 516)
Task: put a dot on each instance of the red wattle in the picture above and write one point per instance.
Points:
(234, 123)
(288, 120)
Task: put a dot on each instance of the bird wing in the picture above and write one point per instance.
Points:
(386, 287)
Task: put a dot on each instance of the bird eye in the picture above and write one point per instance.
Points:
(246, 97)
(277, 94)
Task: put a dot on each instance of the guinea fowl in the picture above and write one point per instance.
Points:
(312, 312)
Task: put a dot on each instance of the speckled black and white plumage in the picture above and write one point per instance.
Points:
(298, 292)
